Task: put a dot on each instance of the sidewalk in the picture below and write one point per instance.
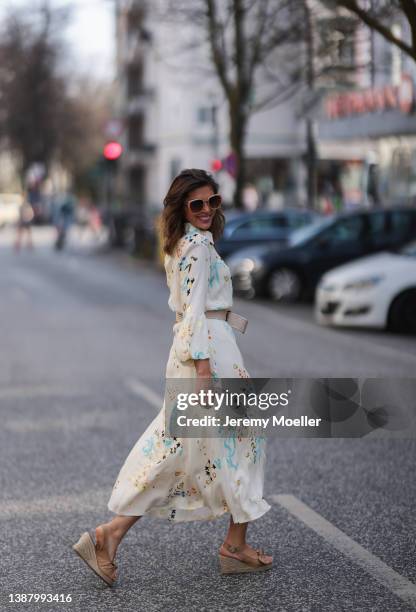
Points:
(79, 244)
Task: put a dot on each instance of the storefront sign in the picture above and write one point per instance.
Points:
(399, 97)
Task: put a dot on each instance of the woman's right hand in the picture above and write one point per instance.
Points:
(203, 375)
(203, 368)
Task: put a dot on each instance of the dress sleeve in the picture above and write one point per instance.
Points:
(191, 340)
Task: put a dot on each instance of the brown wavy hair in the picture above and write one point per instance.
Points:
(172, 220)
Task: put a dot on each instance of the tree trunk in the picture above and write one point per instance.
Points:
(238, 123)
(311, 164)
(311, 154)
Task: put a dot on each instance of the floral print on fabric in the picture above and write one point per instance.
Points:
(192, 334)
(199, 280)
(195, 478)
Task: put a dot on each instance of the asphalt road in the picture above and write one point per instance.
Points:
(84, 343)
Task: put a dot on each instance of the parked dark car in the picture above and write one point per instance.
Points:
(291, 272)
(260, 227)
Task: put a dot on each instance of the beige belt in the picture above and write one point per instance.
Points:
(235, 320)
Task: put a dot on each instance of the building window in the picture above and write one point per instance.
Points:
(135, 132)
(204, 115)
(134, 80)
(396, 57)
(175, 167)
(135, 20)
(136, 185)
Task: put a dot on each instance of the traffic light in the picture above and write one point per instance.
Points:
(112, 150)
(216, 165)
(227, 163)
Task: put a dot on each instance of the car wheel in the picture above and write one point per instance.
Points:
(402, 314)
(284, 285)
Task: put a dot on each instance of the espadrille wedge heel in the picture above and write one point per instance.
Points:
(232, 565)
(85, 548)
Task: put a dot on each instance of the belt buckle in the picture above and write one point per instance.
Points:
(226, 315)
(237, 321)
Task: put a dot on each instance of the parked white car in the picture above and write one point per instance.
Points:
(375, 291)
(9, 208)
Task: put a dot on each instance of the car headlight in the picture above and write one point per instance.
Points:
(244, 265)
(364, 283)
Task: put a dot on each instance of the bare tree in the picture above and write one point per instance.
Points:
(241, 37)
(31, 89)
(87, 109)
(264, 52)
(47, 115)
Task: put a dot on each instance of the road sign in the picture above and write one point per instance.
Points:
(230, 164)
(113, 128)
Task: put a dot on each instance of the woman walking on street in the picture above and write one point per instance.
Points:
(24, 224)
(185, 479)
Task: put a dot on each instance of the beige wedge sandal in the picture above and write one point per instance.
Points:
(231, 565)
(85, 548)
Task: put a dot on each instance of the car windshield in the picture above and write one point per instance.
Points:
(409, 249)
(305, 233)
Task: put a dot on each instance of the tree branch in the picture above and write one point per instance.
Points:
(242, 85)
(256, 53)
(277, 97)
(409, 9)
(373, 23)
(217, 56)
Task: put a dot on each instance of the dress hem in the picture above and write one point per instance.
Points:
(156, 512)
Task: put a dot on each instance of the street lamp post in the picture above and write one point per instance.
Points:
(112, 153)
(215, 132)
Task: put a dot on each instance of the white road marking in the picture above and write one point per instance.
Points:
(141, 390)
(400, 586)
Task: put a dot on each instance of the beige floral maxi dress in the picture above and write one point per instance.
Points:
(184, 479)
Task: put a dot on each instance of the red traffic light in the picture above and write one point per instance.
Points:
(112, 150)
(216, 165)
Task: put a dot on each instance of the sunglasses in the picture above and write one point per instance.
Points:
(214, 202)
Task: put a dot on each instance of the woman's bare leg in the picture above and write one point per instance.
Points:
(109, 535)
(236, 536)
(29, 238)
(18, 239)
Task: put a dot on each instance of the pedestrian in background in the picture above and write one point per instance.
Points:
(88, 220)
(185, 479)
(24, 224)
(96, 221)
(82, 217)
(250, 197)
(64, 219)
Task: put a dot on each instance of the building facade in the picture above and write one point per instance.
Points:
(134, 104)
(174, 116)
(367, 135)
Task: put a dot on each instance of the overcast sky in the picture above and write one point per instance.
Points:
(90, 34)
